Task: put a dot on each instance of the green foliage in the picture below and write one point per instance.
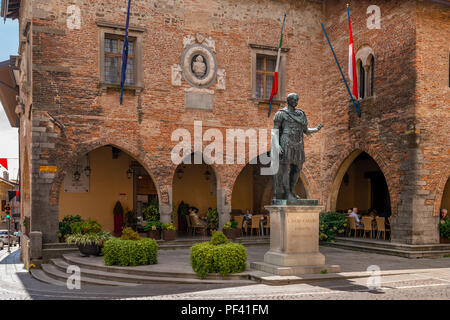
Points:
(95, 238)
(75, 227)
(151, 213)
(153, 225)
(130, 252)
(213, 218)
(331, 224)
(91, 226)
(223, 259)
(129, 234)
(444, 228)
(131, 219)
(65, 225)
(231, 225)
(168, 226)
(118, 209)
(324, 271)
(218, 238)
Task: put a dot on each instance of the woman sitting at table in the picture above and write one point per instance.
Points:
(196, 221)
(247, 219)
(373, 214)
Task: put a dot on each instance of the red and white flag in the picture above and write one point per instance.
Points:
(275, 79)
(4, 163)
(352, 60)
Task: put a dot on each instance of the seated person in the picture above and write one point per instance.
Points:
(349, 211)
(444, 214)
(354, 214)
(196, 221)
(247, 219)
(373, 213)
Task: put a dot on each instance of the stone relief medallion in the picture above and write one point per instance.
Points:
(199, 65)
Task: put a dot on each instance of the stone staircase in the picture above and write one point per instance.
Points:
(94, 273)
(396, 249)
(57, 250)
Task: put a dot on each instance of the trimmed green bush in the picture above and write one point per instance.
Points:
(331, 224)
(218, 238)
(223, 258)
(444, 228)
(130, 252)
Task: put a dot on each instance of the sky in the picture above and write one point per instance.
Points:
(9, 143)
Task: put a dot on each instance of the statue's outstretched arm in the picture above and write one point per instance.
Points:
(313, 130)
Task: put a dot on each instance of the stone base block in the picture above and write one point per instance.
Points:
(291, 260)
(294, 270)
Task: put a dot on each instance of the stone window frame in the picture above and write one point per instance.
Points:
(263, 50)
(365, 58)
(135, 32)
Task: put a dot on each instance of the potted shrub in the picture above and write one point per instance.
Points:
(118, 218)
(444, 231)
(65, 226)
(89, 243)
(230, 230)
(153, 229)
(88, 236)
(213, 219)
(169, 232)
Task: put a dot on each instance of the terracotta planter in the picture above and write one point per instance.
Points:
(154, 234)
(444, 240)
(169, 235)
(90, 250)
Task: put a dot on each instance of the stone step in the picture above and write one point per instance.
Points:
(85, 263)
(62, 245)
(413, 254)
(55, 273)
(140, 279)
(397, 246)
(40, 275)
(48, 254)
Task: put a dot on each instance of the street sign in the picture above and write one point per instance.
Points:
(48, 168)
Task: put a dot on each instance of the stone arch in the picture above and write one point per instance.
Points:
(305, 178)
(440, 192)
(84, 149)
(343, 164)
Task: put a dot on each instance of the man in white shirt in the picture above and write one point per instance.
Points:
(354, 213)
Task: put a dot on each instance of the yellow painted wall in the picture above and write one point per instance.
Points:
(446, 197)
(357, 192)
(194, 189)
(107, 181)
(242, 196)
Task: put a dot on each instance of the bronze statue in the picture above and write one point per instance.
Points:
(291, 123)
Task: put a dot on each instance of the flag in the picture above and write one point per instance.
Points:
(352, 59)
(123, 76)
(275, 79)
(4, 163)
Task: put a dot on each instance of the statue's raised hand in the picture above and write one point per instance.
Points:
(320, 126)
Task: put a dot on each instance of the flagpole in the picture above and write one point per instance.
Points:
(356, 104)
(125, 54)
(278, 63)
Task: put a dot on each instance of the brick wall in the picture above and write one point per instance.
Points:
(73, 115)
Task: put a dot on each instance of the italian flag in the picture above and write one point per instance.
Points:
(275, 79)
(352, 59)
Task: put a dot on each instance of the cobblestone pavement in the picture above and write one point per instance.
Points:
(17, 283)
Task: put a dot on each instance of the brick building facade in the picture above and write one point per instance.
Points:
(66, 107)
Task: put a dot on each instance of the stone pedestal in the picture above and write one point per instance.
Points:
(294, 240)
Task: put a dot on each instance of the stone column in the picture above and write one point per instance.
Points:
(294, 240)
(165, 214)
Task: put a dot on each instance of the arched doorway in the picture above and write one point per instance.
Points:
(364, 186)
(194, 185)
(99, 179)
(445, 203)
(253, 191)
